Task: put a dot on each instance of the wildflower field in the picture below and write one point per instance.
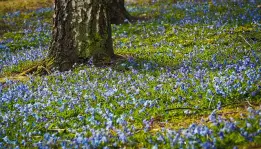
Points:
(191, 79)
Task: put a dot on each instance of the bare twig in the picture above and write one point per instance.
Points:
(181, 108)
(249, 103)
(246, 41)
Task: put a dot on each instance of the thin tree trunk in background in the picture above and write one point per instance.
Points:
(118, 12)
(81, 30)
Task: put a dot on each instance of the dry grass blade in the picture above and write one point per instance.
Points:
(15, 78)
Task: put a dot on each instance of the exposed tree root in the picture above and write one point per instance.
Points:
(45, 66)
(28, 71)
(38, 68)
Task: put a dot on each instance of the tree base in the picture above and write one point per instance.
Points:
(118, 12)
(46, 67)
(103, 62)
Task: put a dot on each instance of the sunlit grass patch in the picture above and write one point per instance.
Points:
(23, 5)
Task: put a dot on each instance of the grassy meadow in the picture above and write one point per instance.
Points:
(191, 79)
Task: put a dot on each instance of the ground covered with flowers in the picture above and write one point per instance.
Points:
(191, 80)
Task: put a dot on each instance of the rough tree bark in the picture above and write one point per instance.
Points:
(82, 30)
(118, 12)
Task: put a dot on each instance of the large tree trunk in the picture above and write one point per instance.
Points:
(118, 12)
(82, 30)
